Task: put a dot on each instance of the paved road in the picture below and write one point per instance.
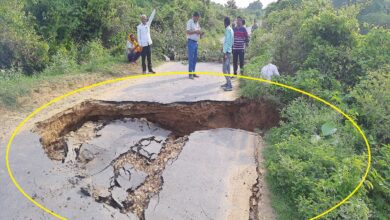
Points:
(211, 179)
(167, 89)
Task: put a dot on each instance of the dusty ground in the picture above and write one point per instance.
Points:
(10, 118)
(63, 197)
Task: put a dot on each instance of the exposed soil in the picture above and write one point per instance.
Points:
(63, 135)
(136, 199)
(82, 123)
(180, 118)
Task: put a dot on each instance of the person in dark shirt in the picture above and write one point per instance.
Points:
(241, 39)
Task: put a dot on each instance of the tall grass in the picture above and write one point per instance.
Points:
(14, 84)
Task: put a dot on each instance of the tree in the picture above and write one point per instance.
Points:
(231, 4)
(255, 6)
(20, 46)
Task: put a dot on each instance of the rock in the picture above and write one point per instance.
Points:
(85, 190)
(131, 181)
(149, 148)
(101, 192)
(132, 216)
(71, 151)
(167, 58)
(104, 178)
(153, 149)
(119, 195)
(86, 155)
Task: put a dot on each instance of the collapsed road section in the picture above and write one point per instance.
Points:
(130, 175)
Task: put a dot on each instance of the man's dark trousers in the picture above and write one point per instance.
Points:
(147, 53)
(238, 55)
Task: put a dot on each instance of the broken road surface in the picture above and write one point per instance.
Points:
(133, 168)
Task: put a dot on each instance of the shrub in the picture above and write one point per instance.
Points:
(62, 62)
(373, 103)
(93, 55)
(372, 50)
(313, 168)
(315, 157)
(20, 46)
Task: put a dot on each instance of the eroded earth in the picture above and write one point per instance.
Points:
(120, 151)
(155, 148)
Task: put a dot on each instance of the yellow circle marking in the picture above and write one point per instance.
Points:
(186, 73)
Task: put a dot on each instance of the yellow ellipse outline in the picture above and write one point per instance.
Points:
(186, 73)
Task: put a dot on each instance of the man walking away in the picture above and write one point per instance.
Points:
(241, 38)
(227, 51)
(145, 41)
(193, 35)
(269, 71)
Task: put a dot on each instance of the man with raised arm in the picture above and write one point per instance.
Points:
(145, 41)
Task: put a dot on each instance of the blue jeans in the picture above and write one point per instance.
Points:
(192, 55)
(226, 70)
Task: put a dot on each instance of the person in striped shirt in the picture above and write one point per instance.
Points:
(241, 38)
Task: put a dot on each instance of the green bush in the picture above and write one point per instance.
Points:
(373, 103)
(313, 168)
(334, 62)
(9, 94)
(93, 56)
(373, 49)
(20, 46)
(315, 157)
(63, 62)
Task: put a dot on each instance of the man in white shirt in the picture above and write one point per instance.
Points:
(193, 35)
(145, 40)
(269, 71)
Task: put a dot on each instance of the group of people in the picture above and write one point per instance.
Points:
(236, 39)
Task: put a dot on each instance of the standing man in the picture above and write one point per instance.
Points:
(255, 26)
(234, 25)
(193, 35)
(227, 51)
(145, 41)
(241, 38)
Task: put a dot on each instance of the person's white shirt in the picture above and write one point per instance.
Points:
(269, 71)
(248, 30)
(129, 46)
(192, 26)
(143, 32)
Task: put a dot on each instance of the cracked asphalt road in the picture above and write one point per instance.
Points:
(211, 179)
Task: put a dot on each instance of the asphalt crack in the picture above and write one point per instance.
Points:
(133, 177)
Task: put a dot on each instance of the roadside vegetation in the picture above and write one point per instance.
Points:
(339, 52)
(47, 39)
(315, 157)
